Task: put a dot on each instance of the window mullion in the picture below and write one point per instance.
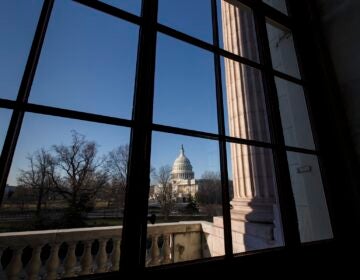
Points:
(133, 244)
(285, 194)
(222, 142)
(23, 95)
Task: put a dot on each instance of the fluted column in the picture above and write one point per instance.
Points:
(253, 180)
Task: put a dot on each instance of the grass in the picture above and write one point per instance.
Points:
(16, 226)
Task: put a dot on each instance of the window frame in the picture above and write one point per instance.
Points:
(135, 217)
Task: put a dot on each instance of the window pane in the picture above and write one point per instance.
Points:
(237, 29)
(294, 115)
(245, 110)
(185, 196)
(5, 116)
(255, 213)
(282, 49)
(18, 20)
(312, 212)
(184, 86)
(131, 6)
(70, 181)
(188, 16)
(87, 62)
(279, 5)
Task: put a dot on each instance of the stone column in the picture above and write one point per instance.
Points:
(253, 181)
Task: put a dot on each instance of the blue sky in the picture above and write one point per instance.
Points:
(18, 20)
(88, 64)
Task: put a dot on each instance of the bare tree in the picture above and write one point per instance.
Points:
(117, 164)
(38, 176)
(209, 193)
(79, 175)
(21, 197)
(164, 193)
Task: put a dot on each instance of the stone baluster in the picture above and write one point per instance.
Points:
(53, 262)
(1, 252)
(101, 259)
(86, 260)
(70, 261)
(167, 248)
(15, 265)
(115, 258)
(2, 274)
(35, 263)
(155, 252)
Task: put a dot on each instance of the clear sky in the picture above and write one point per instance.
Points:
(88, 64)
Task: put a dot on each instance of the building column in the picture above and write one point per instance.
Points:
(252, 168)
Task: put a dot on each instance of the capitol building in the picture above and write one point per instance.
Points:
(183, 178)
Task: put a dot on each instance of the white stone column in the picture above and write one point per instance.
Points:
(253, 181)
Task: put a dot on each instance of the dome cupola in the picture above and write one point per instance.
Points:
(182, 168)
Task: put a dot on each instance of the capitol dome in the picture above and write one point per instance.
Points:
(182, 168)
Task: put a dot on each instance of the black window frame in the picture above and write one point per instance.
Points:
(135, 217)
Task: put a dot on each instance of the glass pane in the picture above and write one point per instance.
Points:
(184, 86)
(87, 62)
(185, 196)
(65, 194)
(188, 16)
(312, 212)
(294, 115)
(237, 29)
(131, 6)
(279, 5)
(18, 20)
(5, 116)
(282, 50)
(245, 110)
(255, 214)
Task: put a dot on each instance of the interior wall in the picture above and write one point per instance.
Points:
(340, 22)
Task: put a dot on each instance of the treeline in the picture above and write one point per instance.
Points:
(76, 177)
(74, 174)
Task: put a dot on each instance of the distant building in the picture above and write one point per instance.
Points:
(183, 178)
(9, 191)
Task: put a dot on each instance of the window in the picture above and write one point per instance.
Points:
(141, 140)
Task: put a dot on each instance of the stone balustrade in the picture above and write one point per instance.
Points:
(55, 254)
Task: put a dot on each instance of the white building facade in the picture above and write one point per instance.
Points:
(183, 178)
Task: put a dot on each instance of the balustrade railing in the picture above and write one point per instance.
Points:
(56, 254)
